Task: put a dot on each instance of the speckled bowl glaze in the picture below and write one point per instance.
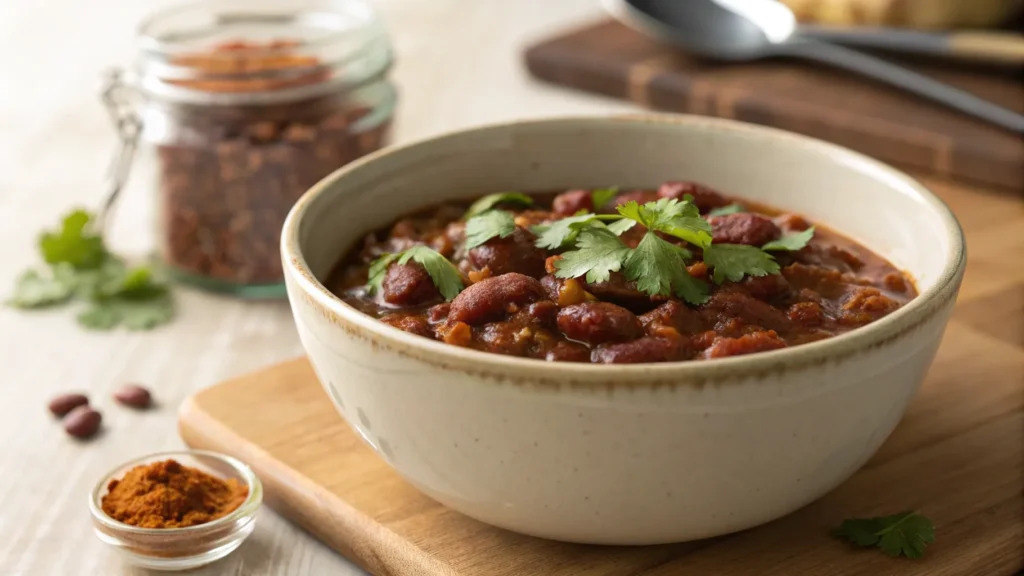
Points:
(629, 454)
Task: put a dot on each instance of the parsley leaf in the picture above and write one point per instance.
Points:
(444, 274)
(556, 234)
(904, 534)
(378, 270)
(73, 243)
(792, 242)
(82, 269)
(733, 261)
(723, 210)
(599, 252)
(657, 267)
(602, 196)
(38, 290)
(132, 313)
(491, 200)
(619, 227)
(483, 227)
(668, 215)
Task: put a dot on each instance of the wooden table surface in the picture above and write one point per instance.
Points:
(459, 64)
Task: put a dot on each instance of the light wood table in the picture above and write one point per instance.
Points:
(458, 65)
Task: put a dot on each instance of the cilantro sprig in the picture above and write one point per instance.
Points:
(443, 273)
(904, 534)
(487, 225)
(82, 269)
(657, 265)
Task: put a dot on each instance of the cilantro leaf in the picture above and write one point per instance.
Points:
(491, 200)
(73, 243)
(619, 227)
(657, 267)
(599, 252)
(602, 196)
(378, 270)
(38, 290)
(668, 215)
(444, 274)
(792, 242)
(561, 232)
(483, 227)
(904, 534)
(734, 261)
(723, 210)
(133, 314)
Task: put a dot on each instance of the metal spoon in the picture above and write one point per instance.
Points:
(739, 30)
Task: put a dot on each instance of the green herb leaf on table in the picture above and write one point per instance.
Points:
(729, 209)
(791, 242)
(73, 243)
(491, 200)
(132, 313)
(487, 225)
(657, 266)
(599, 252)
(36, 289)
(904, 534)
(602, 196)
(734, 261)
(81, 268)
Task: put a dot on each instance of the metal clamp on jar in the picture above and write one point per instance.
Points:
(232, 110)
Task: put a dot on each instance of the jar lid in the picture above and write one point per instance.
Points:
(259, 51)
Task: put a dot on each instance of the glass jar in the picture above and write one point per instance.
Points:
(233, 109)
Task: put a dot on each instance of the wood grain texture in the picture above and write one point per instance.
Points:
(609, 58)
(958, 456)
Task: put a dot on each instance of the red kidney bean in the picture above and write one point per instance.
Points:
(743, 228)
(571, 202)
(134, 395)
(704, 198)
(515, 253)
(82, 422)
(598, 322)
(61, 405)
(646, 349)
(486, 300)
(408, 285)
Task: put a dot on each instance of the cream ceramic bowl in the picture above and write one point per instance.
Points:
(631, 454)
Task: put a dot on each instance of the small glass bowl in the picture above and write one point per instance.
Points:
(181, 548)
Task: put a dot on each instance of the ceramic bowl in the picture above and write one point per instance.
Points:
(627, 454)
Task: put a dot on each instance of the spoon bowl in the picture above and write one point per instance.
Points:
(741, 30)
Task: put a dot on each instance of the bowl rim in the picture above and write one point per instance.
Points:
(248, 507)
(505, 368)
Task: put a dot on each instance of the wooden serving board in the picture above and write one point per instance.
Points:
(958, 456)
(834, 105)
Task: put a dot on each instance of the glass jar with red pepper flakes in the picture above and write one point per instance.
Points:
(232, 110)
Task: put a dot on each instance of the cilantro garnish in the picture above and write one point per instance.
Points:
(734, 261)
(599, 252)
(904, 534)
(602, 196)
(81, 268)
(657, 266)
(443, 273)
(562, 233)
(490, 224)
(491, 200)
(723, 210)
(676, 218)
(791, 242)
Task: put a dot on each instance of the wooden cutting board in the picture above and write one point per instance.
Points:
(958, 456)
(837, 106)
